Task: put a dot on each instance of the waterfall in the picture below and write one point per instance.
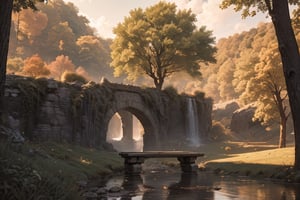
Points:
(192, 123)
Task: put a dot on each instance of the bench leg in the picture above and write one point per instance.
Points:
(188, 164)
(133, 165)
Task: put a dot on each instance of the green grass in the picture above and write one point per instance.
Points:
(76, 162)
(257, 159)
(249, 159)
(279, 157)
(33, 170)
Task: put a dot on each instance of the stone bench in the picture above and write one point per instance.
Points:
(134, 160)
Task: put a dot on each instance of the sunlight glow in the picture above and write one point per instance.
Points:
(85, 161)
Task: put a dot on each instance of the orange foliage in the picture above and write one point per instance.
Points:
(35, 66)
(31, 23)
(61, 64)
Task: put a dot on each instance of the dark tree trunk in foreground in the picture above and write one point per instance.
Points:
(6, 7)
(291, 63)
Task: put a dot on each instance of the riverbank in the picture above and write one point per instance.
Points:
(60, 170)
(271, 163)
(254, 159)
(52, 170)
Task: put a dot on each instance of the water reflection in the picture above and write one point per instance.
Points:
(251, 189)
(192, 187)
(162, 185)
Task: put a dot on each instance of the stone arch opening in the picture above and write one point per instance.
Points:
(125, 132)
(124, 123)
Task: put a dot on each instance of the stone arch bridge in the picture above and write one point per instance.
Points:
(81, 113)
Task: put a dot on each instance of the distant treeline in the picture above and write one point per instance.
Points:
(56, 38)
(244, 61)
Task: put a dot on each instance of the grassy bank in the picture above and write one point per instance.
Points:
(51, 170)
(259, 160)
(254, 159)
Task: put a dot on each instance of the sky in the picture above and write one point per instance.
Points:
(104, 15)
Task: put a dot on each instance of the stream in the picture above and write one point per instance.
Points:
(174, 185)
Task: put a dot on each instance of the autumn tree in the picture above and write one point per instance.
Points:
(6, 8)
(35, 66)
(218, 80)
(57, 28)
(65, 26)
(61, 40)
(30, 23)
(279, 13)
(60, 65)
(160, 41)
(224, 79)
(14, 65)
(93, 55)
(268, 90)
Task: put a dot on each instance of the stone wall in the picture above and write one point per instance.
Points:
(50, 110)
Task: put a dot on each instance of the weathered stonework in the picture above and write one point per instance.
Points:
(81, 113)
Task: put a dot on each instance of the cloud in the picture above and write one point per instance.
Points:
(194, 5)
(103, 26)
(222, 22)
(79, 1)
(104, 15)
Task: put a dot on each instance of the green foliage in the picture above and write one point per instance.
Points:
(19, 180)
(155, 100)
(32, 92)
(51, 170)
(218, 131)
(93, 102)
(251, 7)
(159, 41)
(18, 5)
(199, 94)
(73, 162)
(296, 20)
(14, 65)
(171, 91)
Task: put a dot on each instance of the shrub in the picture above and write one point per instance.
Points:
(171, 91)
(218, 130)
(19, 180)
(73, 77)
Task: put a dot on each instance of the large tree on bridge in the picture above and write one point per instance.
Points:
(6, 8)
(279, 12)
(160, 41)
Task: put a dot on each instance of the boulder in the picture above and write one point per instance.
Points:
(225, 110)
(242, 119)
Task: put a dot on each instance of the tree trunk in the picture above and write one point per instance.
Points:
(283, 116)
(5, 23)
(158, 82)
(282, 137)
(291, 64)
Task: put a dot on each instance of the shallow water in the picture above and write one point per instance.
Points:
(164, 185)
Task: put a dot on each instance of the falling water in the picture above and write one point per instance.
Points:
(193, 127)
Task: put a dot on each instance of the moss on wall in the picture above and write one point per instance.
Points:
(89, 106)
(31, 92)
